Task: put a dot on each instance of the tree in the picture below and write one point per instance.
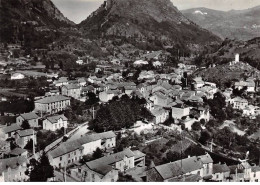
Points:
(40, 171)
(29, 145)
(25, 125)
(196, 126)
(97, 154)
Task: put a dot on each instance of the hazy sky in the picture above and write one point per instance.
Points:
(78, 10)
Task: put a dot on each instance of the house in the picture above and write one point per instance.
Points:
(107, 168)
(18, 152)
(255, 174)
(221, 172)
(54, 123)
(169, 171)
(71, 90)
(180, 111)
(52, 104)
(82, 81)
(140, 63)
(9, 131)
(61, 81)
(17, 76)
(72, 151)
(197, 165)
(5, 147)
(52, 92)
(13, 169)
(22, 137)
(79, 62)
(108, 95)
(31, 117)
(251, 110)
(160, 114)
(239, 103)
(198, 82)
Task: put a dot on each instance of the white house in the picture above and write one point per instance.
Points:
(17, 76)
(79, 62)
(56, 122)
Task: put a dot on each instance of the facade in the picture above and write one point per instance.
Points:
(32, 118)
(13, 169)
(239, 103)
(54, 123)
(22, 137)
(200, 166)
(179, 112)
(160, 115)
(71, 90)
(52, 104)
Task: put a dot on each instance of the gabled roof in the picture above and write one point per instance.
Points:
(29, 116)
(71, 86)
(12, 128)
(24, 133)
(52, 99)
(220, 168)
(17, 151)
(101, 165)
(138, 154)
(205, 159)
(12, 163)
(54, 119)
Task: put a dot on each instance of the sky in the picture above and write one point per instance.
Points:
(78, 10)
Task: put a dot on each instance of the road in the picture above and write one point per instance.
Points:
(81, 131)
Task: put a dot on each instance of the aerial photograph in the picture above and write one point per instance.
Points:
(130, 91)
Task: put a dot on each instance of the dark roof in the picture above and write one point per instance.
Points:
(29, 116)
(7, 119)
(13, 163)
(52, 99)
(12, 128)
(72, 86)
(101, 165)
(24, 133)
(220, 168)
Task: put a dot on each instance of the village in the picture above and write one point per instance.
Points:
(141, 120)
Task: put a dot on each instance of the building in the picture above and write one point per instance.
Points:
(22, 137)
(17, 76)
(249, 84)
(61, 81)
(32, 118)
(9, 131)
(239, 103)
(255, 174)
(52, 104)
(200, 166)
(5, 148)
(221, 172)
(54, 123)
(18, 152)
(71, 90)
(72, 151)
(198, 82)
(13, 169)
(160, 115)
(106, 169)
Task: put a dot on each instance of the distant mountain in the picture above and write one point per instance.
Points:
(234, 24)
(18, 15)
(156, 22)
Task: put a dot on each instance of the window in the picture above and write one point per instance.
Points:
(254, 174)
(217, 176)
(256, 180)
(75, 153)
(93, 177)
(60, 158)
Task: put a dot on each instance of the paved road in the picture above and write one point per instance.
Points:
(81, 131)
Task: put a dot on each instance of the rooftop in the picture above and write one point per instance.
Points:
(52, 99)
(220, 168)
(17, 151)
(29, 116)
(24, 133)
(54, 119)
(12, 163)
(12, 128)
